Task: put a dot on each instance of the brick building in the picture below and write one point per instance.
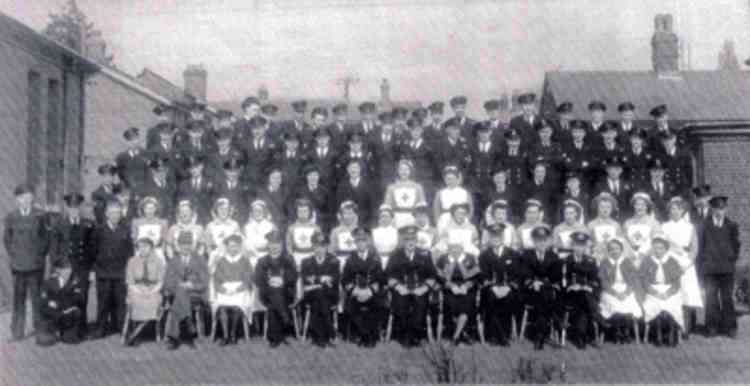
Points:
(116, 101)
(712, 106)
(42, 91)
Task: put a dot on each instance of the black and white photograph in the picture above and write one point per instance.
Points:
(374, 192)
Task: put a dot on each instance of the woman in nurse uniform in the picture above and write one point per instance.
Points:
(497, 213)
(452, 194)
(572, 214)
(460, 228)
(621, 289)
(149, 225)
(639, 228)
(662, 304)
(221, 227)
(532, 218)
(404, 194)
(603, 227)
(684, 242)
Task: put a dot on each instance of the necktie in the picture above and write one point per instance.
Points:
(74, 220)
(661, 189)
(257, 144)
(145, 270)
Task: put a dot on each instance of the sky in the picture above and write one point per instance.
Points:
(425, 48)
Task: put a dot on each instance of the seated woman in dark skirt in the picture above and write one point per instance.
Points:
(458, 275)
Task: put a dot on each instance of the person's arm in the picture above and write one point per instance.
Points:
(734, 237)
(8, 236)
(692, 249)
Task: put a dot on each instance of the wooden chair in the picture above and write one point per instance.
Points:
(157, 320)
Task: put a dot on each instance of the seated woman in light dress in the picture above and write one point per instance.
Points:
(639, 228)
(149, 225)
(603, 227)
(498, 213)
(221, 227)
(572, 214)
(684, 243)
(532, 218)
(459, 227)
(233, 288)
(185, 224)
(452, 194)
(404, 194)
(144, 278)
(621, 289)
(299, 234)
(660, 274)
(385, 235)
(258, 225)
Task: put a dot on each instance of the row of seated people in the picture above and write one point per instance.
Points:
(333, 286)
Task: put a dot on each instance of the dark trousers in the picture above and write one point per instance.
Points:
(498, 315)
(110, 298)
(83, 322)
(720, 315)
(545, 310)
(279, 316)
(25, 283)
(409, 314)
(581, 313)
(320, 303)
(62, 326)
(365, 319)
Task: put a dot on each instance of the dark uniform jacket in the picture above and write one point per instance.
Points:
(456, 153)
(214, 163)
(678, 169)
(516, 165)
(75, 242)
(359, 272)
(583, 272)
(525, 129)
(411, 273)
(548, 271)
(56, 299)
(132, 167)
(483, 165)
(291, 166)
(465, 124)
(580, 160)
(660, 199)
(269, 267)
(339, 132)
(322, 200)
(258, 160)
(26, 240)
(719, 247)
(506, 269)
(276, 202)
(636, 166)
(312, 272)
(607, 275)
(113, 248)
(385, 157)
(100, 196)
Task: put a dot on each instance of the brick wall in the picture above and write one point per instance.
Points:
(111, 107)
(17, 60)
(726, 167)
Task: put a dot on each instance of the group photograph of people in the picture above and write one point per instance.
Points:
(407, 226)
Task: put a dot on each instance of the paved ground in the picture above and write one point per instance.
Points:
(106, 362)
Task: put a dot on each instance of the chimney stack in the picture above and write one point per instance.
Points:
(385, 92)
(665, 51)
(196, 81)
(96, 48)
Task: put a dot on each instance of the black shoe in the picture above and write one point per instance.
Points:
(274, 344)
(223, 342)
(172, 344)
(132, 342)
(732, 334)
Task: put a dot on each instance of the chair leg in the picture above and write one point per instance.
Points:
(524, 320)
(295, 320)
(598, 339)
(246, 326)
(199, 322)
(513, 328)
(389, 328)
(636, 332)
(430, 337)
(160, 331)
(645, 332)
(125, 326)
(336, 326)
(306, 324)
(214, 322)
(564, 329)
(480, 328)
(440, 326)
(265, 325)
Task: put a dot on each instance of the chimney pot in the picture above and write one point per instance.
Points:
(665, 52)
(196, 81)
